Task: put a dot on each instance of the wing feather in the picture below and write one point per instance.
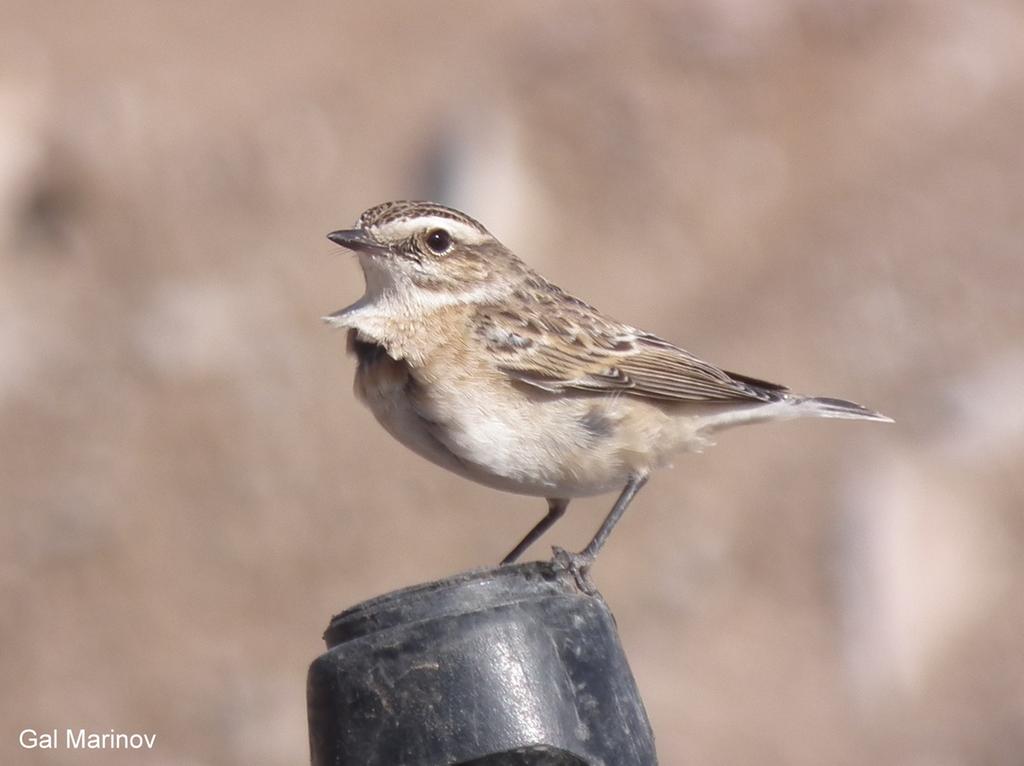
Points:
(578, 349)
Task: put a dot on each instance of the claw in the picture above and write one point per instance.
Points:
(578, 565)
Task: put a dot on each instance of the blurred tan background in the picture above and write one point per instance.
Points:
(824, 193)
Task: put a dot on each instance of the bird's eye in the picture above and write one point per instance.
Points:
(438, 240)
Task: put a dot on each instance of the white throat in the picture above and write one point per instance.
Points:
(392, 300)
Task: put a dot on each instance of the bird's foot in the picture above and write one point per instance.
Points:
(578, 565)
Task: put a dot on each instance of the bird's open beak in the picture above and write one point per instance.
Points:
(354, 239)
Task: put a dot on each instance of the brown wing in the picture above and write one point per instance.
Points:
(573, 348)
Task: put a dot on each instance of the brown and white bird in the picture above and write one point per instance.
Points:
(479, 364)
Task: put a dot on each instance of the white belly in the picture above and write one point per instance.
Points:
(518, 441)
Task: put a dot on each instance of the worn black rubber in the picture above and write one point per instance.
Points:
(498, 667)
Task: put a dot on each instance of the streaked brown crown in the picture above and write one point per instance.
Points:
(387, 212)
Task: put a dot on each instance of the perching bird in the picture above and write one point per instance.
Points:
(479, 364)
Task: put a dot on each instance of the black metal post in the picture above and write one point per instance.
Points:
(497, 667)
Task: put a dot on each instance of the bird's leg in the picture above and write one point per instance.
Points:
(579, 563)
(556, 509)
(634, 485)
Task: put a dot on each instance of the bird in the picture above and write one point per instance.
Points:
(479, 364)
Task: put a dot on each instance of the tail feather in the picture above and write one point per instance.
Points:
(827, 407)
(786, 407)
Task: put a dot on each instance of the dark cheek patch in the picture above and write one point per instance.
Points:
(427, 282)
(456, 270)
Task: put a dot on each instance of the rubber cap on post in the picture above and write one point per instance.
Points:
(512, 666)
